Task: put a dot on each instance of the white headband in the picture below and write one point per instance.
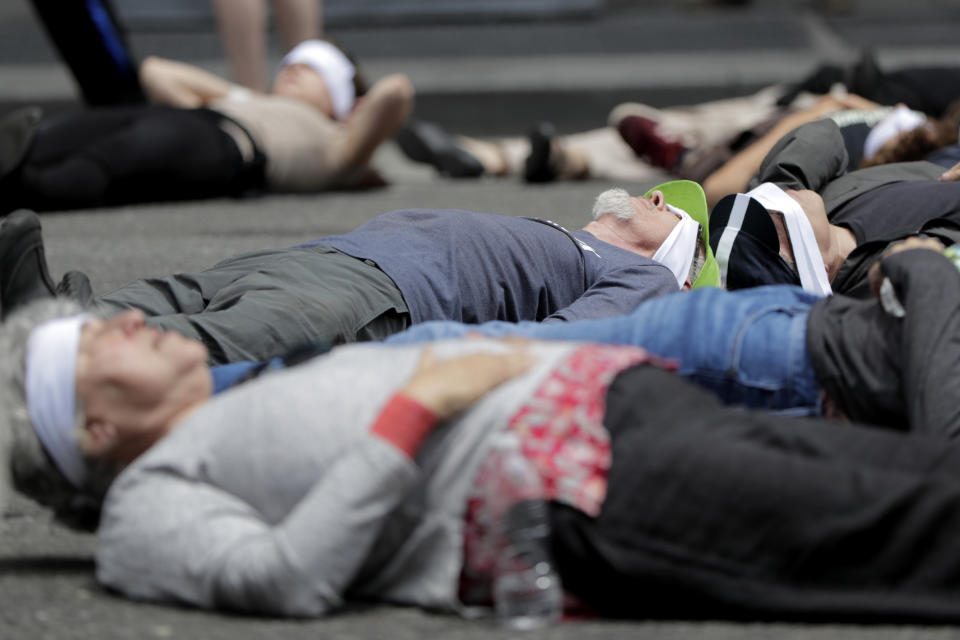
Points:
(806, 251)
(676, 252)
(899, 120)
(336, 69)
(51, 384)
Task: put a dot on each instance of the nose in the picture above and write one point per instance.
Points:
(129, 321)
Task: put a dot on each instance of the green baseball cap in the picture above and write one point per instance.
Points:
(689, 196)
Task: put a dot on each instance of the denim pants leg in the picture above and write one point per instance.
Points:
(749, 346)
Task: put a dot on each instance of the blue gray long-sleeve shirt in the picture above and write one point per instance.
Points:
(474, 267)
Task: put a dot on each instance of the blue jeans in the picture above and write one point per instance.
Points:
(748, 346)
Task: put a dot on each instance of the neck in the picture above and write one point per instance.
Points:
(620, 234)
(843, 242)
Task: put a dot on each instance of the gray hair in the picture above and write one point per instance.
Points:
(615, 202)
(23, 460)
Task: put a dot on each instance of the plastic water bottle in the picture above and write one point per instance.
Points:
(526, 589)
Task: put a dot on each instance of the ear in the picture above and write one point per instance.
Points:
(99, 436)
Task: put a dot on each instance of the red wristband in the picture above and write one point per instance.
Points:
(404, 423)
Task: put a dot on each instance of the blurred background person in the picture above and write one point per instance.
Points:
(243, 30)
(93, 44)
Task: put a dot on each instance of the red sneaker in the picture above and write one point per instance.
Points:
(643, 136)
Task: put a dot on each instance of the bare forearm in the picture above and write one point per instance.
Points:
(180, 85)
(381, 112)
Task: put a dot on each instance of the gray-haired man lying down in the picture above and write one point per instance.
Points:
(407, 267)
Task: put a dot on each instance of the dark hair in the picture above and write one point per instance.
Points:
(359, 81)
(754, 256)
(917, 143)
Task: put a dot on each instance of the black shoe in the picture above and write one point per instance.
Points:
(17, 130)
(866, 79)
(23, 266)
(819, 81)
(539, 166)
(76, 285)
(426, 142)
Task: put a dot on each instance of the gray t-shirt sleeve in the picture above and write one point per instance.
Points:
(618, 292)
(208, 548)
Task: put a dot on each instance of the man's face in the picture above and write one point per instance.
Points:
(653, 219)
(301, 82)
(135, 377)
(813, 208)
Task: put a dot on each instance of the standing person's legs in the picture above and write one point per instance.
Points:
(242, 25)
(268, 303)
(720, 512)
(298, 20)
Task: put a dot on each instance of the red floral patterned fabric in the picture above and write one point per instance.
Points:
(561, 432)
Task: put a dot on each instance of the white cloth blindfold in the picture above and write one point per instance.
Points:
(51, 385)
(806, 251)
(336, 69)
(676, 252)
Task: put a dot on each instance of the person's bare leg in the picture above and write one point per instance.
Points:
(574, 164)
(298, 20)
(242, 25)
(508, 155)
(490, 155)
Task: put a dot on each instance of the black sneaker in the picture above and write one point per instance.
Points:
(540, 165)
(76, 286)
(23, 265)
(429, 143)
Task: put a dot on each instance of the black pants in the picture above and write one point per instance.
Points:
(716, 512)
(127, 154)
(91, 41)
(927, 89)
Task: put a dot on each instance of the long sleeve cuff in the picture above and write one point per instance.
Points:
(404, 423)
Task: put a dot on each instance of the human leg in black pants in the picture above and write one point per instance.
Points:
(122, 155)
(93, 44)
(714, 512)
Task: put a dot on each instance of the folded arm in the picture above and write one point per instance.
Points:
(809, 157)
(178, 84)
(619, 292)
(927, 286)
(378, 115)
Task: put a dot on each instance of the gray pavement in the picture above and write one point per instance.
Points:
(498, 76)
(46, 572)
(483, 78)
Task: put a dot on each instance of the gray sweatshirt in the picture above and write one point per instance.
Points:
(276, 498)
